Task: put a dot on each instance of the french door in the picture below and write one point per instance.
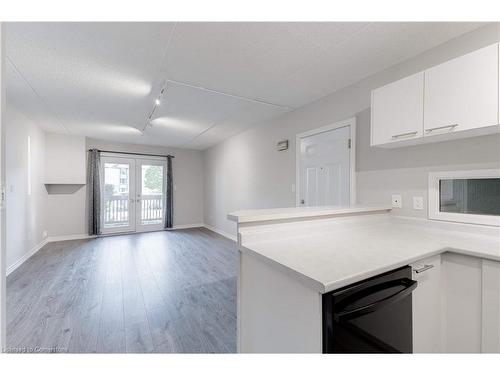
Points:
(133, 194)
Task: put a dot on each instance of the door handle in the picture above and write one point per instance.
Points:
(345, 314)
(402, 135)
(424, 268)
(451, 127)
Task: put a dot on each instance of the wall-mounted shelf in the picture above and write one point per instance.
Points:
(63, 188)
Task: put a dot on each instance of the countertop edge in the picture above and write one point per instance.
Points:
(323, 288)
(255, 217)
(312, 283)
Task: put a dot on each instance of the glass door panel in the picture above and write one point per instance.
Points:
(151, 190)
(118, 195)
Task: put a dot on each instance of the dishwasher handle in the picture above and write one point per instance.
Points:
(344, 315)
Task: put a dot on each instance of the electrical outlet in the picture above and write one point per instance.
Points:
(418, 203)
(44, 234)
(397, 201)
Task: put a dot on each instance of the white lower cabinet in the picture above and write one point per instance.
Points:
(456, 306)
(462, 281)
(427, 337)
(491, 307)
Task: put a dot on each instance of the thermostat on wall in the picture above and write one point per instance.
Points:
(282, 145)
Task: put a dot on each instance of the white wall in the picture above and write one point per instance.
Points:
(188, 177)
(65, 159)
(25, 212)
(246, 171)
(65, 164)
(2, 182)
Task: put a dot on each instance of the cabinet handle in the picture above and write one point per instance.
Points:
(451, 127)
(410, 134)
(424, 268)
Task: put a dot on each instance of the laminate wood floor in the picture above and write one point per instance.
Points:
(160, 292)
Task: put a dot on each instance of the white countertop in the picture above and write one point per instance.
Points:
(329, 254)
(249, 216)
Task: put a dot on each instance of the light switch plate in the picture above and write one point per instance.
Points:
(397, 201)
(418, 203)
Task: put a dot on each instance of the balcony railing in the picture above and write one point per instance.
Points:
(117, 210)
(151, 209)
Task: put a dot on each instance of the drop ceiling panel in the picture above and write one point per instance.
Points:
(239, 58)
(326, 35)
(248, 116)
(186, 114)
(195, 106)
(91, 71)
(377, 47)
(22, 98)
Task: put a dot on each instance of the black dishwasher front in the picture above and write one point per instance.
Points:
(371, 316)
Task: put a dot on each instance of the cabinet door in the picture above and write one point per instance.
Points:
(491, 307)
(427, 332)
(397, 111)
(462, 93)
(462, 316)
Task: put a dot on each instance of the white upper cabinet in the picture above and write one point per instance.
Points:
(456, 99)
(397, 111)
(462, 93)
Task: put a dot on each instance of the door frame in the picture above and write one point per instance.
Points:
(351, 123)
(136, 158)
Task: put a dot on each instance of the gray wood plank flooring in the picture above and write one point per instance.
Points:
(159, 292)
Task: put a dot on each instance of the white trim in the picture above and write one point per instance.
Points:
(25, 257)
(221, 232)
(117, 154)
(433, 197)
(351, 122)
(69, 237)
(187, 226)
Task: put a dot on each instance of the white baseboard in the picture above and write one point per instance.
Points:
(221, 232)
(35, 249)
(187, 226)
(26, 256)
(69, 237)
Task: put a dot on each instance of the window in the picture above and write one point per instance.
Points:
(465, 196)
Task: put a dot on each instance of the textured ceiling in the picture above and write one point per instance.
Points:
(101, 79)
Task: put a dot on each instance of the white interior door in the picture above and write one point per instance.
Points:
(118, 195)
(324, 168)
(150, 194)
